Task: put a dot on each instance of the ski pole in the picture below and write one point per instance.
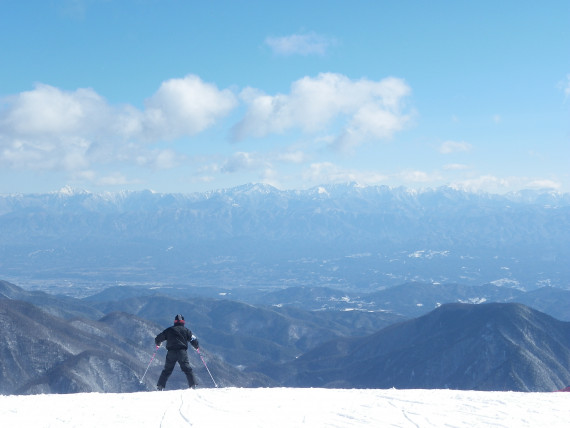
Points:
(198, 351)
(151, 360)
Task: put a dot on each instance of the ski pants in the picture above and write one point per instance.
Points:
(179, 356)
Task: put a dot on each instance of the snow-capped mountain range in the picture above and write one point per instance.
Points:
(344, 236)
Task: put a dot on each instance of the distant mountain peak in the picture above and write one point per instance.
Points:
(70, 191)
(262, 188)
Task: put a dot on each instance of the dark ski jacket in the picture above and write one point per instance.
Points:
(176, 337)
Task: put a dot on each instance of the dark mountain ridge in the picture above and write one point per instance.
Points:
(402, 301)
(494, 346)
(244, 334)
(486, 346)
(42, 353)
(61, 306)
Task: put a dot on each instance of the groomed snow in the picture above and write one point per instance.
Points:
(289, 407)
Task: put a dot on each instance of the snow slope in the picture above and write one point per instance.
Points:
(289, 407)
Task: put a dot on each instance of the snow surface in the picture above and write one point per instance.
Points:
(289, 407)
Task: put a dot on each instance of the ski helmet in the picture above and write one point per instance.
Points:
(178, 319)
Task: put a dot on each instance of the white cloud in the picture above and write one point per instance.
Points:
(370, 122)
(49, 111)
(114, 179)
(185, 107)
(543, 184)
(327, 172)
(240, 161)
(494, 184)
(487, 183)
(158, 159)
(414, 176)
(365, 109)
(300, 44)
(449, 147)
(292, 156)
(258, 166)
(51, 129)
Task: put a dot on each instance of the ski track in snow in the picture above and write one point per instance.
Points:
(289, 407)
(180, 412)
(174, 414)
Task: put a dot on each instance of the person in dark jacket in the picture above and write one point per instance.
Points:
(177, 338)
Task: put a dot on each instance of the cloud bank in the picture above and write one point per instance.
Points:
(48, 128)
(367, 110)
(81, 135)
(51, 129)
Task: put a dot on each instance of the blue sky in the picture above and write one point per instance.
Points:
(185, 96)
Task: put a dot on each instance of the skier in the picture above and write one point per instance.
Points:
(177, 338)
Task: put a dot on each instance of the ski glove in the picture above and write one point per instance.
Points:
(194, 342)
